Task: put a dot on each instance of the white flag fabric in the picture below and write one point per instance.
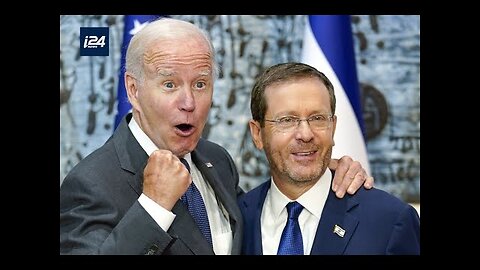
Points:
(328, 46)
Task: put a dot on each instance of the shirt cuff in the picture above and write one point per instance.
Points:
(162, 216)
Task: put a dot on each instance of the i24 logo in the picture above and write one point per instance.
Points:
(93, 42)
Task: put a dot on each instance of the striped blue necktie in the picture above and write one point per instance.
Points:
(291, 242)
(194, 202)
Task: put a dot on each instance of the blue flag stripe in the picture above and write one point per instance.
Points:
(334, 35)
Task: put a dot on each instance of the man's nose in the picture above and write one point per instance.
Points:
(304, 131)
(187, 102)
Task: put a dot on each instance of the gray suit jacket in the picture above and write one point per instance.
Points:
(100, 213)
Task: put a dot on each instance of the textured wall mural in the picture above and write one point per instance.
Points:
(388, 61)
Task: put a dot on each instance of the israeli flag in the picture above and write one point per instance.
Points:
(133, 24)
(328, 46)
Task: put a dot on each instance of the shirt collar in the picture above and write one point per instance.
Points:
(147, 145)
(313, 199)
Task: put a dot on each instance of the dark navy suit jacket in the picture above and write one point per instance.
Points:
(374, 221)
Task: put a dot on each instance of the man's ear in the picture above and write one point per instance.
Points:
(256, 133)
(334, 126)
(131, 85)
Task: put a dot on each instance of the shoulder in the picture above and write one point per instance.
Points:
(208, 147)
(255, 194)
(377, 194)
(214, 152)
(381, 202)
(99, 162)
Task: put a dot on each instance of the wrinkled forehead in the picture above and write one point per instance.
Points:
(175, 54)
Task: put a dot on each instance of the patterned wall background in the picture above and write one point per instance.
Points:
(388, 61)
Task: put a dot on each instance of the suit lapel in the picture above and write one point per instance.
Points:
(335, 212)
(255, 211)
(130, 154)
(187, 231)
(225, 196)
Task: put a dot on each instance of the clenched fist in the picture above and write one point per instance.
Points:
(165, 178)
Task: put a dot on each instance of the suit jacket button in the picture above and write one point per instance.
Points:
(152, 250)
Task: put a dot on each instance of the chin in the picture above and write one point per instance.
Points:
(187, 147)
(303, 176)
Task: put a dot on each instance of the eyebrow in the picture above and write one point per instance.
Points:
(168, 73)
(293, 113)
(206, 72)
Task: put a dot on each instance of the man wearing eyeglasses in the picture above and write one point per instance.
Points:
(295, 212)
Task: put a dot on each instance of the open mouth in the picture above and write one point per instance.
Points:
(307, 153)
(185, 129)
(305, 156)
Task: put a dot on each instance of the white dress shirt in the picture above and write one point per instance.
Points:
(217, 214)
(274, 214)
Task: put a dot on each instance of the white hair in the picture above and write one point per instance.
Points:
(163, 28)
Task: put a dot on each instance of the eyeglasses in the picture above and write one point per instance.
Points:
(290, 123)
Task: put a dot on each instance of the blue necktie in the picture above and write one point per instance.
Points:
(291, 242)
(194, 202)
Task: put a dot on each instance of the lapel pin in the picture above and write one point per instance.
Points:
(338, 230)
(209, 165)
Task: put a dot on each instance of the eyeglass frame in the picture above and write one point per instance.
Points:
(278, 121)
